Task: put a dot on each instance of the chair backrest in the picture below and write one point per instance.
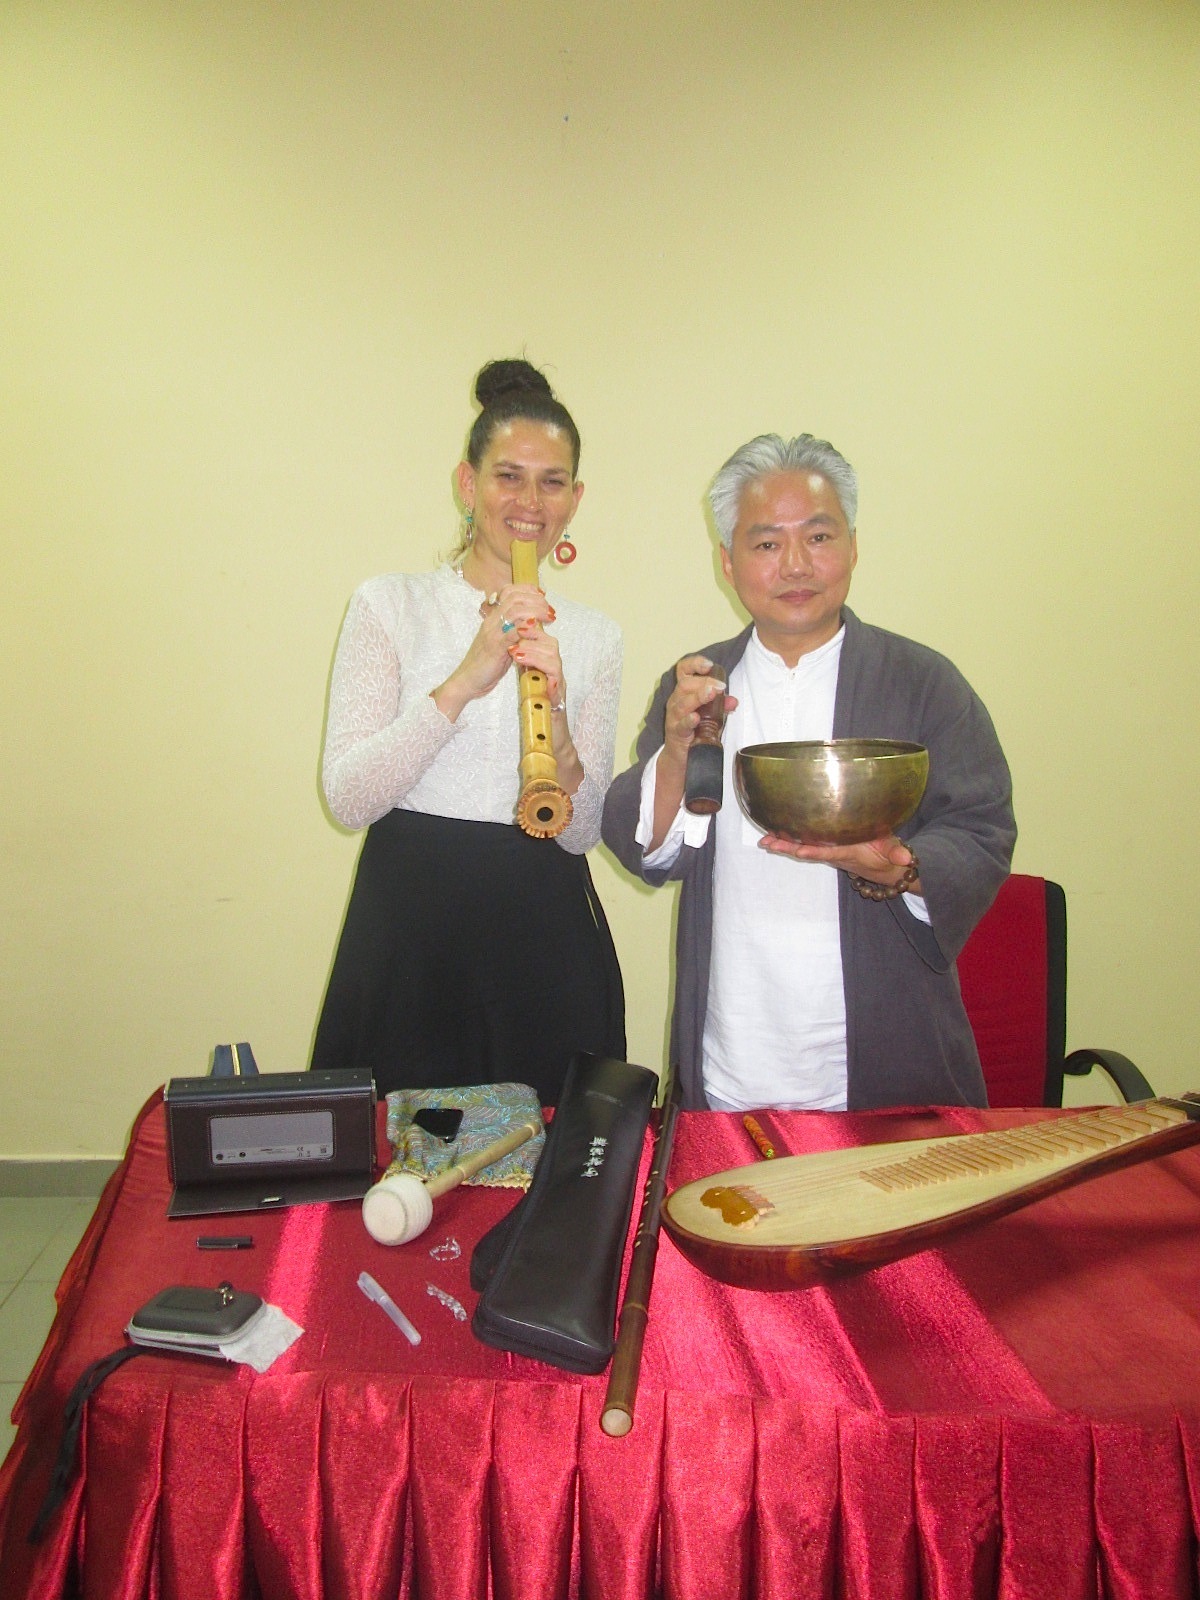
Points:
(1013, 972)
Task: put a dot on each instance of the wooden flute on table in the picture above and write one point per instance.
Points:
(620, 1398)
(543, 807)
(803, 1220)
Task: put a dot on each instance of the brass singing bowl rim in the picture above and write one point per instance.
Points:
(857, 749)
(858, 822)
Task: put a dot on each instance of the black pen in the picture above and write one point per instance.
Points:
(231, 1241)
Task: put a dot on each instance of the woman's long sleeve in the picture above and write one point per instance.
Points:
(374, 751)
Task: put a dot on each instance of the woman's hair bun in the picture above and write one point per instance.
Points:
(512, 391)
(501, 378)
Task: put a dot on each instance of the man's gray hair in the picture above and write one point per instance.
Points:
(769, 454)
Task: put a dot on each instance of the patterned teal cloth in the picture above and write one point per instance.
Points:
(489, 1111)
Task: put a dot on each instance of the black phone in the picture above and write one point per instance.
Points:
(442, 1122)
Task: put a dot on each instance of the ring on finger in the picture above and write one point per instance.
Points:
(506, 626)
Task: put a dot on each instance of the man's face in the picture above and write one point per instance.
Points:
(790, 561)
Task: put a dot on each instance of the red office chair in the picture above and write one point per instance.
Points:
(1013, 972)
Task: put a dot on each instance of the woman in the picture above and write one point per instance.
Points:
(472, 953)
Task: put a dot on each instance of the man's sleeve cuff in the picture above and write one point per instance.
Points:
(685, 828)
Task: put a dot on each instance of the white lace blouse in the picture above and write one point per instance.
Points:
(386, 743)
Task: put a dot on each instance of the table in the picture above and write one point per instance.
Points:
(1014, 1414)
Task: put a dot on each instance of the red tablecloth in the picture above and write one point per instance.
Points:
(1013, 1415)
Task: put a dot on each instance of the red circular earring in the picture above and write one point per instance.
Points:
(564, 551)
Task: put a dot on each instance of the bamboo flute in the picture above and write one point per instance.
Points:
(616, 1418)
(543, 808)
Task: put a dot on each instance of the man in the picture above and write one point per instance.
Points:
(813, 976)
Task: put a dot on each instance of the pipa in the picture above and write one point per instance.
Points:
(802, 1220)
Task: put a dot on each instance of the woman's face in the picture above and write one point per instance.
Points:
(524, 488)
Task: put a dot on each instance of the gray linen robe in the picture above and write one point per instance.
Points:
(908, 1041)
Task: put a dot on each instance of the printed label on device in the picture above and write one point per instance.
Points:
(274, 1136)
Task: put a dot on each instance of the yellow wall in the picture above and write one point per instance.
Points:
(251, 255)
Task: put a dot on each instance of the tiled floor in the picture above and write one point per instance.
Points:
(36, 1241)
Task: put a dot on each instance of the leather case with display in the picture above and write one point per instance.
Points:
(551, 1270)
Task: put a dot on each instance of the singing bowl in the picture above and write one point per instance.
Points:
(836, 791)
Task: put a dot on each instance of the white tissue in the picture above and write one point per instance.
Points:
(264, 1338)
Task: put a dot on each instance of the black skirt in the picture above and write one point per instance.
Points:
(470, 953)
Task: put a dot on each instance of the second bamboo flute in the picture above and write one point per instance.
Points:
(620, 1399)
(543, 807)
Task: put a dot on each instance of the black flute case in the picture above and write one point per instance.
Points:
(550, 1272)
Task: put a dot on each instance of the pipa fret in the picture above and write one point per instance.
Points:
(966, 1155)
